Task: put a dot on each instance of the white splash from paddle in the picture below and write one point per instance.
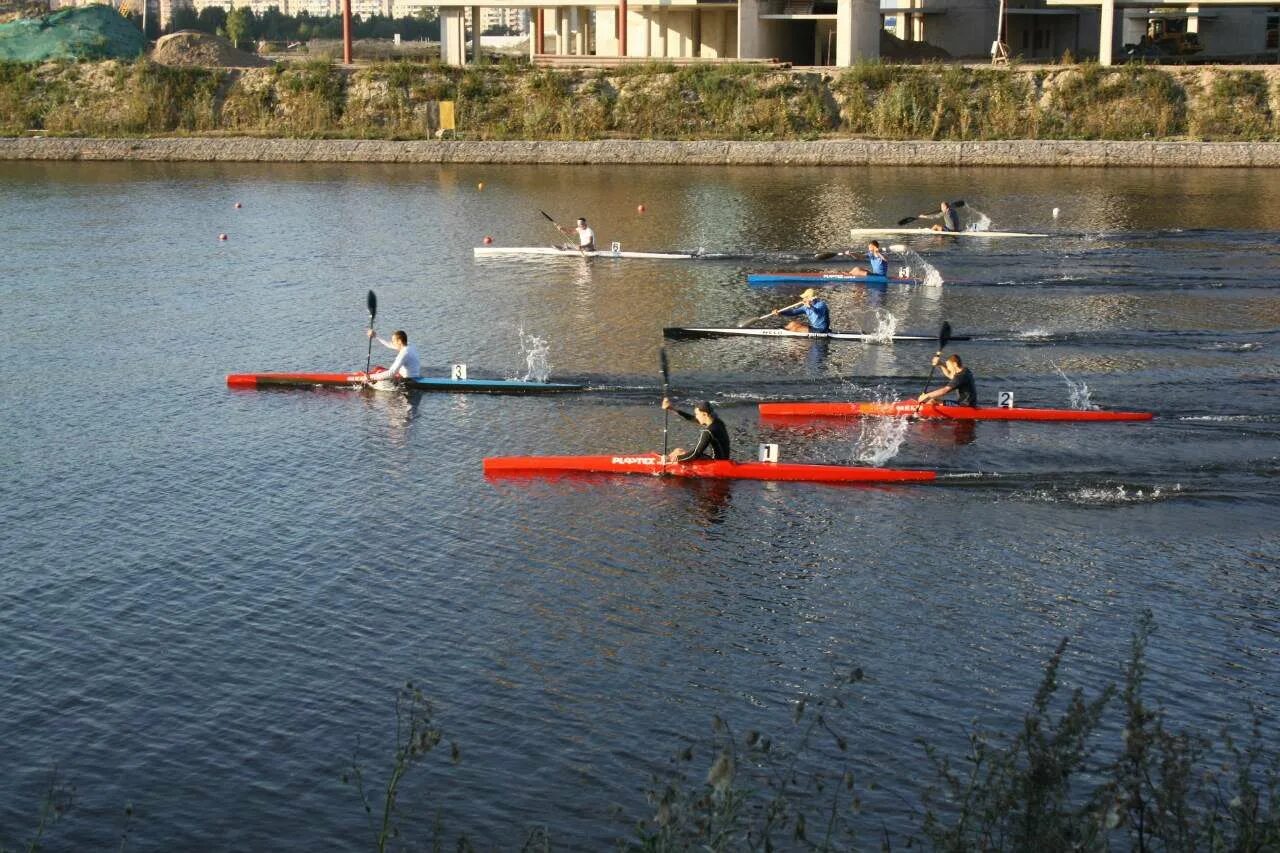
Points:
(979, 220)
(886, 326)
(879, 439)
(537, 357)
(1078, 395)
(921, 269)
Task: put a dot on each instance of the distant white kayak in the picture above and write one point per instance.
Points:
(927, 232)
(507, 251)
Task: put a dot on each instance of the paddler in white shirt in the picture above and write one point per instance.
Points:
(586, 237)
(406, 365)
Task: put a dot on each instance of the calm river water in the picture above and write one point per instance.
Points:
(208, 598)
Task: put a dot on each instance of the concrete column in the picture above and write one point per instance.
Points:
(1193, 19)
(562, 32)
(453, 35)
(576, 41)
(648, 33)
(607, 32)
(1106, 32)
(476, 27)
(858, 31)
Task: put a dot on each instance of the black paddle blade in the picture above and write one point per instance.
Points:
(666, 367)
(959, 203)
(825, 256)
(906, 220)
(547, 216)
(944, 335)
(372, 301)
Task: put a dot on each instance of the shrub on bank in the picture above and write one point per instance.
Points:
(511, 100)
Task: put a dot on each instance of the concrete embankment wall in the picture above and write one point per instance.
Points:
(642, 152)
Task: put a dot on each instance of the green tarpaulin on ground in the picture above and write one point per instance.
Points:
(87, 32)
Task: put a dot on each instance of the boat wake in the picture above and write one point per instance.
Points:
(1227, 346)
(1102, 496)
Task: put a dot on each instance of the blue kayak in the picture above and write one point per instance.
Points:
(811, 277)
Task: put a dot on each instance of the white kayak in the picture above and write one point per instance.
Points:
(685, 333)
(507, 251)
(928, 232)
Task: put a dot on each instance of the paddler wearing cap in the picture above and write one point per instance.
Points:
(713, 442)
(816, 316)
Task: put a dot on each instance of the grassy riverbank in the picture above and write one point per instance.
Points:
(514, 101)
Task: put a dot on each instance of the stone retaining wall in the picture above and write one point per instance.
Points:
(643, 152)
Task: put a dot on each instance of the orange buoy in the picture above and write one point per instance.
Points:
(222, 236)
(238, 205)
(640, 208)
(480, 186)
(488, 240)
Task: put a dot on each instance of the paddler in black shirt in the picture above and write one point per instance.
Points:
(959, 379)
(713, 443)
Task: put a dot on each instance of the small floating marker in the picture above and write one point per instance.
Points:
(488, 240)
(639, 208)
(239, 205)
(480, 186)
(222, 236)
(1055, 213)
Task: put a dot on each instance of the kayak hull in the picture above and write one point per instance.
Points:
(682, 333)
(351, 380)
(928, 232)
(651, 465)
(293, 380)
(910, 408)
(552, 251)
(810, 277)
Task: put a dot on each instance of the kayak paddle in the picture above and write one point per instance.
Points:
(558, 228)
(746, 323)
(909, 219)
(666, 382)
(372, 301)
(944, 335)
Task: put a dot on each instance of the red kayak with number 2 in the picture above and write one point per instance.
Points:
(912, 409)
(720, 469)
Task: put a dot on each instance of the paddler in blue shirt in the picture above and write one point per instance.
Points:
(713, 442)
(877, 263)
(959, 379)
(817, 317)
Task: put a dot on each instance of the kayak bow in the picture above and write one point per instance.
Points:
(651, 464)
(910, 408)
(677, 333)
(423, 383)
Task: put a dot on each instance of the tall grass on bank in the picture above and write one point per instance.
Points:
(1133, 102)
(935, 102)
(511, 100)
(727, 101)
(1237, 106)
